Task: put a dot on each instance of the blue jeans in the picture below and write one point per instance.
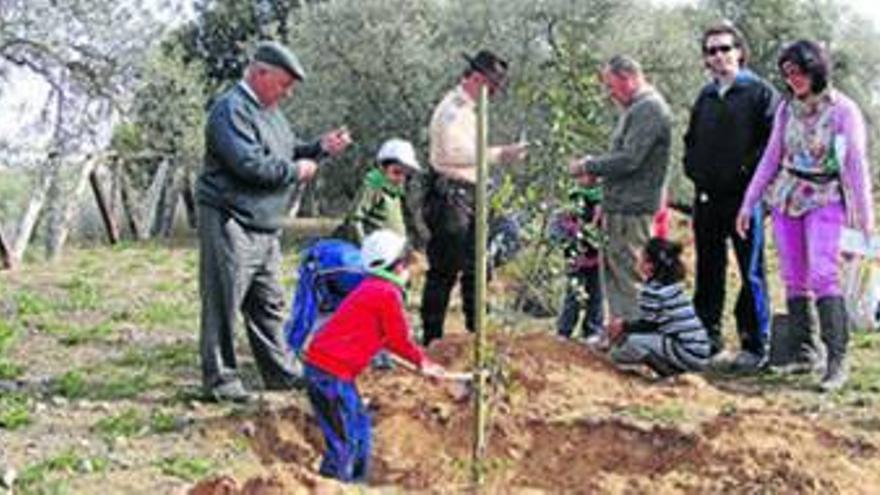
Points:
(345, 424)
(584, 292)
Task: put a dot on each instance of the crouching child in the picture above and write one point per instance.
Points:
(667, 337)
(370, 318)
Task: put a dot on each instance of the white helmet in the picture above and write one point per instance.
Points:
(400, 151)
(382, 248)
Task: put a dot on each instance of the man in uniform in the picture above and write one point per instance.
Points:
(449, 202)
(252, 162)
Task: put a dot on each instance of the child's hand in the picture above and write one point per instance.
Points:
(615, 329)
(432, 369)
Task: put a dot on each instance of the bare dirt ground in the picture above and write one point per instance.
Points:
(567, 421)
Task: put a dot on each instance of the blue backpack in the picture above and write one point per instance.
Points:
(330, 269)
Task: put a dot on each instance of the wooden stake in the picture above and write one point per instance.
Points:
(480, 404)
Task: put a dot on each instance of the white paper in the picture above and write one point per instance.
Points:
(854, 241)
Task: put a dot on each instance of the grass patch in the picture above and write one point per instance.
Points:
(14, 411)
(77, 335)
(71, 385)
(30, 304)
(35, 479)
(186, 468)
(163, 422)
(122, 386)
(82, 294)
(8, 335)
(164, 313)
(128, 423)
(165, 357)
(10, 370)
(104, 384)
(666, 414)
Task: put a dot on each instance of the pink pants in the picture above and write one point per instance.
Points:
(809, 250)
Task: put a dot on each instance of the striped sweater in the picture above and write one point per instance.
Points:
(667, 309)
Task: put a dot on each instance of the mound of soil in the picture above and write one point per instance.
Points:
(563, 419)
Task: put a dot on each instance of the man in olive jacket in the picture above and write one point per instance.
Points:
(633, 173)
(252, 162)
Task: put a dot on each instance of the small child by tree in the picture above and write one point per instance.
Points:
(668, 337)
(370, 319)
(581, 234)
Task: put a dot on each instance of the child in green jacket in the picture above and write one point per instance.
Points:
(379, 203)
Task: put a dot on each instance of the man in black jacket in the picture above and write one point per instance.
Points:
(728, 129)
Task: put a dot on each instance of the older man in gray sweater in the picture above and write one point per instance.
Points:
(252, 162)
(633, 173)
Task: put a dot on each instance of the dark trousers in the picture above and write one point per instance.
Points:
(449, 216)
(345, 423)
(239, 271)
(584, 291)
(714, 224)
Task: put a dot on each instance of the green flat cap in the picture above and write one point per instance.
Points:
(276, 54)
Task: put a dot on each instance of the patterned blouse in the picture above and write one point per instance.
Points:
(809, 176)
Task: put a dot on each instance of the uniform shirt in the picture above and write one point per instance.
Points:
(369, 319)
(453, 138)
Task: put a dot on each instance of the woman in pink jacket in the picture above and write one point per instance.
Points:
(815, 176)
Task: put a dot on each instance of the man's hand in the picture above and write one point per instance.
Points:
(514, 152)
(335, 141)
(576, 166)
(306, 169)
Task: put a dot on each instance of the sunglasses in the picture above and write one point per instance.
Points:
(712, 50)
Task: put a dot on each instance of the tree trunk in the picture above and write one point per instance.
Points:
(5, 253)
(105, 208)
(189, 202)
(32, 211)
(54, 209)
(167, 205)
(59, 233)
(154, 196)
(130, 204)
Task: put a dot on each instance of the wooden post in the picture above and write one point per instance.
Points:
(106, 215)
(480, 405)
(5, 253)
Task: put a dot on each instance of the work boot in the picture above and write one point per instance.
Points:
(230, 392)
(834, 322)
(748, 362)
(716, 341)
(808, 355)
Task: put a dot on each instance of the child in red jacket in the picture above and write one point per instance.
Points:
(369, 319)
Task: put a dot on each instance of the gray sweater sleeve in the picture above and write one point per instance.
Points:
(643, 128)
(232, 137)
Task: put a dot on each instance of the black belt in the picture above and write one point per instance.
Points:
(816, 178)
